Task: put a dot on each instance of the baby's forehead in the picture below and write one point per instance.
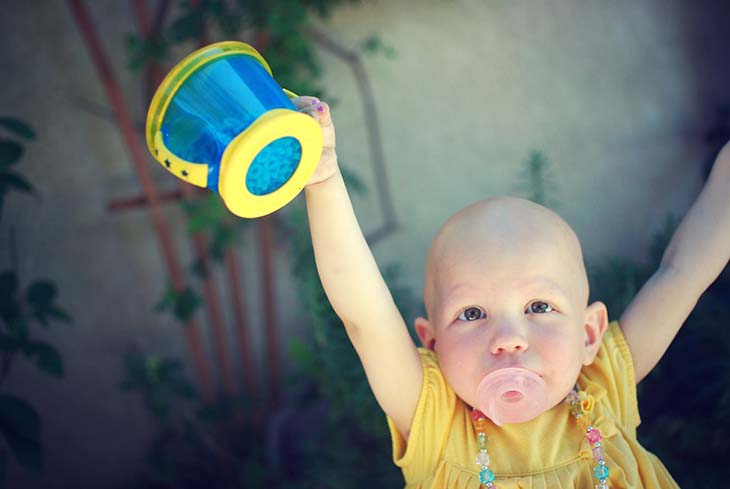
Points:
(504, 225)
(528, 265)
(494, 232)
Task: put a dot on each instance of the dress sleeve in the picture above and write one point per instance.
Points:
(613, 371)
(430, 426)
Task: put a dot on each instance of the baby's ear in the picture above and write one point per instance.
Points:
(425, 333)
(595, 324)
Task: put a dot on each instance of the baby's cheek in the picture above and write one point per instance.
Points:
(563, 358)
(459, 361)
(559, 350)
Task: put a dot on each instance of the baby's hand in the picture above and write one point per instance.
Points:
(320, 111)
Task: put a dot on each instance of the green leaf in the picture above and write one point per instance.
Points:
(182, 304)
(20, 425)
(10, 153)
(9, 308)
(8, 283)
(46, 357)
(187, 27)
(303, 355)
(9, 344)
(206, 214)
(39, 296)
(186, 305)
(142, 51)
(41, 293)
(17, 126)
(58, 314)
(161, 382)
(197, 224)
(9, 179)
(18, 327)
(372, 44)
(223, 238)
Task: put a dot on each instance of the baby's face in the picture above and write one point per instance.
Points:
(509, 291)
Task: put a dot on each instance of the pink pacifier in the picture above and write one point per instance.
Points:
(512, 395)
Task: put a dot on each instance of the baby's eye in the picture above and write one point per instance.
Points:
(472, 314)
(539, 307)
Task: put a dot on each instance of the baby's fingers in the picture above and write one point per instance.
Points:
(314, 107)
(304, 101)
(320, 112)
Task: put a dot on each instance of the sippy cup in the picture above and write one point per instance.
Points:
(219, 120)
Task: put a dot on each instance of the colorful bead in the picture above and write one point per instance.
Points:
(482, 458)
(594, 436)
(480, 424)
(600, 472)
(486, 476)
(576, 410)
(583, 423)
(482, 441)
(580, 404)
(598, 453)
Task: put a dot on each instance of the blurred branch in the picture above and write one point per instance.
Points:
(372, 127)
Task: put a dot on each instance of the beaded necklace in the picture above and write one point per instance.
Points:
(600, 471)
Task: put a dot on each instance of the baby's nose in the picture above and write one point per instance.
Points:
(508, 339)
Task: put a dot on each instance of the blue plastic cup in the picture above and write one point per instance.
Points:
(219, 120)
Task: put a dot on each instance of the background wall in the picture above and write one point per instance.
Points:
(617, 96)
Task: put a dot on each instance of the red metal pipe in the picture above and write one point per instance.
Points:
(239, 315)
(272, 338)
(141, 200)
(212, 305)
(153, 71)
(210, 291)
(114, 94)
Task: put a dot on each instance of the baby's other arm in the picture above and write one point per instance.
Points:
(355, 287)
(697, 253)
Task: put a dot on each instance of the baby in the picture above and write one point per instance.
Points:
(520, 382)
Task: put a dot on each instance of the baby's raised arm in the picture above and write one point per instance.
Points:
(697, 253)
(355, 287)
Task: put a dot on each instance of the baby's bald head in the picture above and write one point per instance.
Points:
(506, 227)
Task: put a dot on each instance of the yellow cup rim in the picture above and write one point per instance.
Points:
(240, 153)
(182, 71)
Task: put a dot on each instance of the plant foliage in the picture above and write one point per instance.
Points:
(20, 308)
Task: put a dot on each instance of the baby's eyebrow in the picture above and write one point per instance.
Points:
(546, 286)
(456, 298)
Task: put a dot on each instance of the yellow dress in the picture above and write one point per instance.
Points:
(548, 452)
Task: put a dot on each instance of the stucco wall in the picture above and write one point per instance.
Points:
(615, 94)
